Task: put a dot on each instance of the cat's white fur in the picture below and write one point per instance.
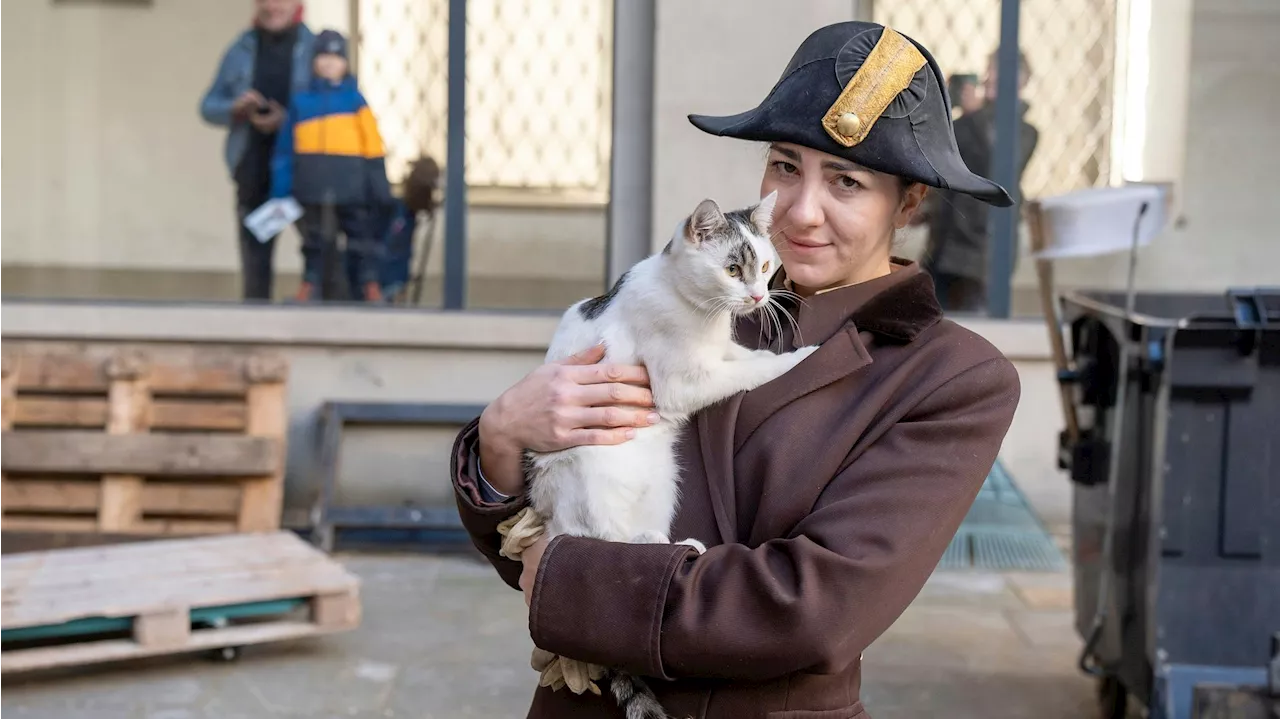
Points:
(673, 314)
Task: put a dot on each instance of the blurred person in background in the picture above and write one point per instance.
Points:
(254, 83)
(330, 158)
(966, 94)
(956, 253)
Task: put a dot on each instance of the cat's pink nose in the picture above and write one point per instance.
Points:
(756, 298)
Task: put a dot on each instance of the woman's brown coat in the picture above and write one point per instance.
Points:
(825, 498)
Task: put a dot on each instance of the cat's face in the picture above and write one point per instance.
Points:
(726, 259)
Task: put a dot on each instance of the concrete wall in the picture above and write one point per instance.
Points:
(718, 58)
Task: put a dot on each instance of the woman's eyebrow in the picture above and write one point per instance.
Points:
(841, 166)
(786, 152)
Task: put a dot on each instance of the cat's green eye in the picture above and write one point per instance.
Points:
(765, 268)
(733, 270)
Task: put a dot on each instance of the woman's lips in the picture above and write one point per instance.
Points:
(802, 246)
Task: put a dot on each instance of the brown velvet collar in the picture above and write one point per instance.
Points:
(899, 305)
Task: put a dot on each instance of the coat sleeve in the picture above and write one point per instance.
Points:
(481, 518)
(215, 105)
(374, 154)
(810, 601)
(282, 157)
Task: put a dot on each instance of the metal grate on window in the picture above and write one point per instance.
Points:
(538, 88)
(1070, 46)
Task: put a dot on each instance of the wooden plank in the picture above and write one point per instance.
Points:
(46, 523)
(158, 498)
(220, 415)
(148, 553)
(184, 526)
(336, 610)
(208, 415)
(45, 495)
(67, 371)
(263, 497)
(170, 627)
(54, 411)
(118, 649)
(63, 367)
(205, 499)
(53, 573)
(8, 390)
(128, 412)
(121, 506)
(124, 599)
(85, 452)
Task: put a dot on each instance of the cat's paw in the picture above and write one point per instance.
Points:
(798, 355)
(805, 351)
(699, 546)
(650, 537)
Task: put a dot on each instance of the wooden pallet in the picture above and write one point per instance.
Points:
(132, 440)
(169, 596)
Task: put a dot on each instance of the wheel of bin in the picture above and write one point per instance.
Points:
(1113, 699)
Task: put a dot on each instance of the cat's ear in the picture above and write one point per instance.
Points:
(706, 219)
(762, 215)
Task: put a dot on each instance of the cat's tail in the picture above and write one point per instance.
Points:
(635, 697)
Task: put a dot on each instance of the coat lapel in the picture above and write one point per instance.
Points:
(838, 357)
(896, 307)
(715, 443)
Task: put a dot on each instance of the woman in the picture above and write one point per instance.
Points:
(826, 497)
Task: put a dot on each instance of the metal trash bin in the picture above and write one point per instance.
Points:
(1190, 520)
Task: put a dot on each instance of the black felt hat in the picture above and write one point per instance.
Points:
(868, 94)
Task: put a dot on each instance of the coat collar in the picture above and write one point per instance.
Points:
(896, 307)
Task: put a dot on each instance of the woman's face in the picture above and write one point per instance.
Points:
(834, 221)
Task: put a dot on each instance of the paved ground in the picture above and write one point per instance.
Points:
(442, 638)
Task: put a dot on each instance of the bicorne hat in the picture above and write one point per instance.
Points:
(868, 94)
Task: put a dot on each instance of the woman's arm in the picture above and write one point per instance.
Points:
(809, 602)
(559, 405)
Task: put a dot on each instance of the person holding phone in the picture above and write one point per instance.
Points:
(254, 84)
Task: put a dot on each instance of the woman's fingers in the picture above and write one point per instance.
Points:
(591, 355)
(609, 417)
(594, 395)
(608, 373)
(601, 436)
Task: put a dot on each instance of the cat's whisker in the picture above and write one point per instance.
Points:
(791, 295)
(795, 326)
(775, 322)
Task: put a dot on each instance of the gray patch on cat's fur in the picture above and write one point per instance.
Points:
(596, 306)
(744, 255)
(529, 469)
(667, 250)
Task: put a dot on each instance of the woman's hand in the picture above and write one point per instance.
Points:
(560, 405)
(532, 557)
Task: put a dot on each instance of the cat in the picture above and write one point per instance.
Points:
(672, 312)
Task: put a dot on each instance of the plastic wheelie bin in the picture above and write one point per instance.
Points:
(1175, 471)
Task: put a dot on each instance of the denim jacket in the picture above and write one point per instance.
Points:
(235, 76)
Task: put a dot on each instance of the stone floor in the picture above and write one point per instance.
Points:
(442, 637)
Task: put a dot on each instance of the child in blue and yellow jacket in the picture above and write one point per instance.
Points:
(329, 156)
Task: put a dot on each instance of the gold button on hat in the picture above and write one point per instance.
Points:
(848, 124)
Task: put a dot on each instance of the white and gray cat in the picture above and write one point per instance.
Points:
(672, 312)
